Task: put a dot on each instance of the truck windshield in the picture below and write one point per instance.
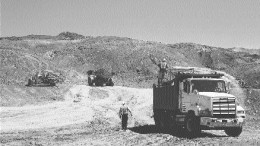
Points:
(208, 85)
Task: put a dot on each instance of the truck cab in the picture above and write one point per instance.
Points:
(198, 102)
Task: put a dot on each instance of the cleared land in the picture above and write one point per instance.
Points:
(88, 116)
(73, 113)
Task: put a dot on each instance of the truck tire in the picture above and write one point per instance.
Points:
(110, 82)
(167, 121)
(156, 120)
(233, 131)
(192, 126)
(161, 121)
(159, 117)
(30, 82)
(90, 82)
(173, 124)
(99, 81)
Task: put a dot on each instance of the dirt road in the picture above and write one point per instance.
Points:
(88, 116)
(101, 133)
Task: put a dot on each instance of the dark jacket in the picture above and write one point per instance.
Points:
(124, 110)
(163, 67)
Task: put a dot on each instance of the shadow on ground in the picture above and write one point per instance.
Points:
(148, 129)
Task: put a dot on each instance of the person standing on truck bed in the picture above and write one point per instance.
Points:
(123, 114)
(163, 68)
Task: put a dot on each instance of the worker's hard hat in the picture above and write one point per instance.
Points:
(164, 60)
(123, 103)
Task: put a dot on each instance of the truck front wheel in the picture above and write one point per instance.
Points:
(30, 82)
(90, 81)
(192, 126)
(233, 131)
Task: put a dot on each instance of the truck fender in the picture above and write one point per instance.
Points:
(195, 110)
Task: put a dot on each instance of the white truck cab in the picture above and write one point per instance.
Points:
(198, 102)
(209, 100)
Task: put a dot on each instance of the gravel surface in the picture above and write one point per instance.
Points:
(96, 133)
(88, 116)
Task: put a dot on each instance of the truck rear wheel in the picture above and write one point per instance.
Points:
(159, 119)
(110, 82)
(156, 119)
(90, 82)
(192, 126)
(173, 124)
(30, 82)
(233, 131)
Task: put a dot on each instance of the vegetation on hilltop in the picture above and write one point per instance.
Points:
(62, 36)
(69, 36)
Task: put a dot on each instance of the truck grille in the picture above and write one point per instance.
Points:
(224, 107)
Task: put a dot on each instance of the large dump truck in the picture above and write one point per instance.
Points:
(100, 77)
(195, 102)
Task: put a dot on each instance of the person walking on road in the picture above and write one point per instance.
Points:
(123, 114)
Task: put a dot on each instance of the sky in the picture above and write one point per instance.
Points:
(220, 23)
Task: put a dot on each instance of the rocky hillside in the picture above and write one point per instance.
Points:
(76, 114)
(73, 55)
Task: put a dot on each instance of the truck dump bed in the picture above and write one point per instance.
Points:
(165, 97)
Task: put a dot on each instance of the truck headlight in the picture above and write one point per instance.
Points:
(241, 114)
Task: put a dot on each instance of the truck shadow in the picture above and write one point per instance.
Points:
(148, 129)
